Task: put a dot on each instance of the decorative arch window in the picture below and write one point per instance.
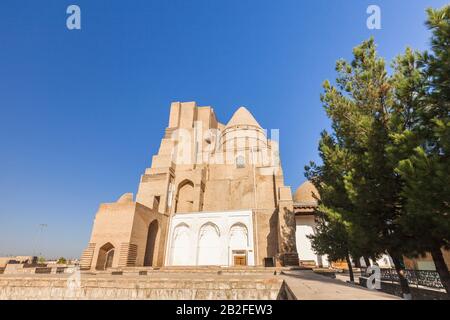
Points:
(207, 228)
(181, 246)
(239, 236)
(240, 162)
(209, 252)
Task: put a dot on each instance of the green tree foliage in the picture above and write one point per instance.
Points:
(385, 177)
(332, 237)
(361, 107)
(426, 172)
(61, 260)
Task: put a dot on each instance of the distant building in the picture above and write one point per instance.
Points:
(17, 259)
(426, 262)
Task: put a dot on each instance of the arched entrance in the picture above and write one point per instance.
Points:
(105, 257)
(238, 244)
(149, 258)
(209, 245)
(185, 197)
(180, 248)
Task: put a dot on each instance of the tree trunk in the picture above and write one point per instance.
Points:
(350, 269)
(441, 268)
(399, 267)
(367, 261)
(357, 263)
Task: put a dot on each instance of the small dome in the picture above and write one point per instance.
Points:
(243, 117)
(306, 193)
(126, 197)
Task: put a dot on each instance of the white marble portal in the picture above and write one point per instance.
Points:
(210, 238)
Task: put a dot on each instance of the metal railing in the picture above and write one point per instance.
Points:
(425, 278)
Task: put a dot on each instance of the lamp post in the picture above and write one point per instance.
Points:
(41, 227)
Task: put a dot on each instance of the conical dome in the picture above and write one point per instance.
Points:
(306, 193)
(242, 117)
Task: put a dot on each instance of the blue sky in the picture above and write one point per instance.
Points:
(82, 111)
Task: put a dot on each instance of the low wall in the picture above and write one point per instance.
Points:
(417, 293)
(20, 268)
(141, 287)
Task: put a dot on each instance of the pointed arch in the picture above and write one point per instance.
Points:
(239, 236)
(209, 249)
(181, 245)
(105, 257)
(185, 197)
(151, 246)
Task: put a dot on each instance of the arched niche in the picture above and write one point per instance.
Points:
(105, 256)
(209, 248)
(238, 237)
(185, 197)
(181, 246)
(151, 246)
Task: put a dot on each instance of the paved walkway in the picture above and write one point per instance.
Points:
(307, 285)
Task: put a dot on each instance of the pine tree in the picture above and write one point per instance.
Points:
(332, 237)
(360, 106)
(385, 177)
(427, 171)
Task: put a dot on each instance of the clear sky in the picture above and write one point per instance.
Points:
(82, 111)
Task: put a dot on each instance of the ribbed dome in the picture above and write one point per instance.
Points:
(242, 117)
(306, 193)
